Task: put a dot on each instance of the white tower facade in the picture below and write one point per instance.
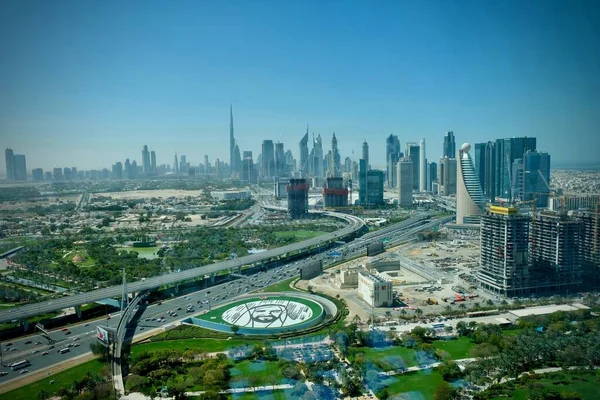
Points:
(422, 167)
(469, 196)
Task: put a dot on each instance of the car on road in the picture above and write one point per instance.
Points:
(3, 373)
(67, 332)
(45, 353)
(35, 351)
(28, 342)
(8, 344)
(64, 329)
(38, 343)
(86, 324)
(13, 349)
(24, 371)
(75, 339)
(76, 345)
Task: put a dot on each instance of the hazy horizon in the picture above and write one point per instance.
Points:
(88, 84)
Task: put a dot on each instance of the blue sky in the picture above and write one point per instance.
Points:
(88, 83)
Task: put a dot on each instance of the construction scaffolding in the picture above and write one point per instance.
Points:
(589, 251)
(297, 195)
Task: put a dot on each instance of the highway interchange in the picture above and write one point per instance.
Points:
(83, 334)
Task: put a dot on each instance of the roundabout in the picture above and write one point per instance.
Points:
(269, 313)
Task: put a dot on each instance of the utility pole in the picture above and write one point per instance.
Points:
(124, 295)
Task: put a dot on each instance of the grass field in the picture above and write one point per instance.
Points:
(299, 234)
(143, 252)
(262, 373)
(379, 355)
(283, 286)
(216, 314)
(457, 348)
(62, 379)
(585, 384)
(205, 345)
(420, 381)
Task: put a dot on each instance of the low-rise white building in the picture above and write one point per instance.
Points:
(374, 290)
(226, 195)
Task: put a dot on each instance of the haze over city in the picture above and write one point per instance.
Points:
(88, 84)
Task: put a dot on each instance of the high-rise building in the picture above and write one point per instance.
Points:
(447, 176)
(248, 171)
(37, 174)
(506, 152)
(279, 160)
(405, 182)
(365, 152)
(536, 179)
(317, 157)
(207, 165)
(48, 175)
(392, 155)
(231, 140)
(127, 169)
(432, 176)
(590, 243)
(304, 165)
(335, 194)
(370, 186)
(479, 162)
(489, 185)
(146, 160)
(10, 164)
(237, 161)
(422, 166)
(117, 170)
(516, 183)
(268, 159)
(297, 194)
(58, 174)
(153, 162)
(413, 151)
(469, 196)
(554, 253)
(504, 264)
(449, 145)
(20, 165)
(68, 173)
(335, 160)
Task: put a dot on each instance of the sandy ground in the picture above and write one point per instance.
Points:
(146, 194)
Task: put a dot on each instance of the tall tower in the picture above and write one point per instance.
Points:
(231, 140)
(334, 162)
(153, 162)
(449, 145)
(365, 152)
(405, 182)
(414, 152)
(304, 167)
(145, 160)
(469, 196)
(10, 165)
(422, 167)
(175, 165)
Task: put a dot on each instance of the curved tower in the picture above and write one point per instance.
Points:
(469, 196)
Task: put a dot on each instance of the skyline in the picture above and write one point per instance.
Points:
(90, 85)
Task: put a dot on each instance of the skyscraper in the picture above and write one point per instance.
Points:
(504, 263)
(146, 160)
(479, 162)
(536, 179)
(279, 160)
(413, 151)
(506, 152)
(365, 152)
(317, 157)
(37, 174)
(489, 186)
(153, 162)
(422, 167)
(304, 167)
(335, 161)
(432, 175)
(231, 140)
(20, 167)
(10, 164)
(175, 164)
(405, 182)
(237, 161)
(392, 155)
(447, 176)
(469, 196)
(268, 159)
(449, 145)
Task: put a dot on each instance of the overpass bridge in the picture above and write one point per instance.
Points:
(21, 313)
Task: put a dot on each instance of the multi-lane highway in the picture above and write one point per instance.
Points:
(161, 316)
(30, 310)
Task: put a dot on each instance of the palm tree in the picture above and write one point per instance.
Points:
(419, 312)
(403, 311)
(490, 302)
(356, 319)
(448, 309)
(388, 315)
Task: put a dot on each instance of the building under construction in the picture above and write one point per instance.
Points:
(334, 193)
(504, 264)
(297, 195)
(590, 246)
(554, 253)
